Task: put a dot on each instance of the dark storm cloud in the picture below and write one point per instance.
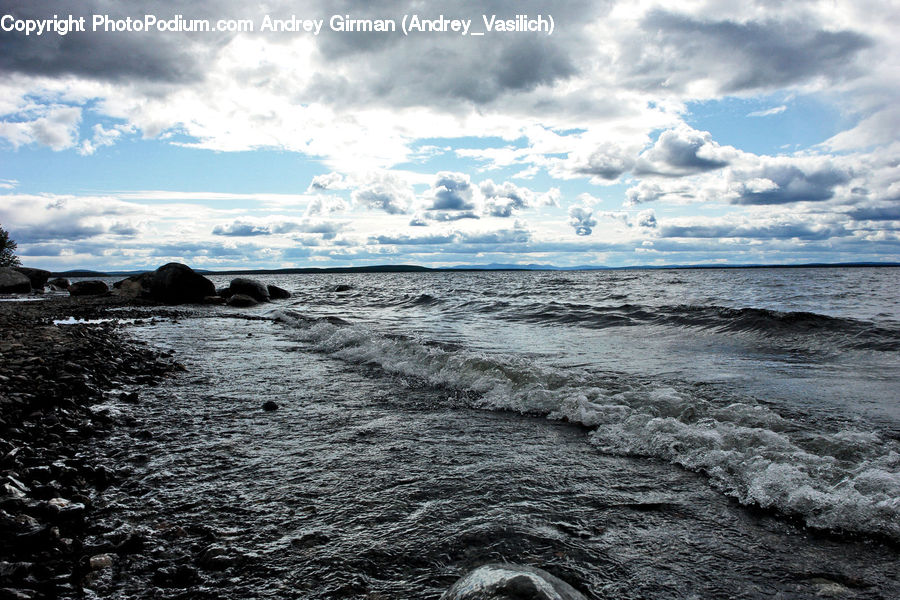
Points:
(786, 231)
(167, 57)
(877, 213)
(793, 184)
(741, 56)
(56, 230)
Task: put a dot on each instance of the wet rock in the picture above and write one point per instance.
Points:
(249, 287)
(93, 287)
(277, 293)
(342, 288)
(511, 582)
(216, 558)
(101, 561)
(60, 282)
(180, 576)
(136, 286)
(37, 277)
(13, 282)
(269, 406)
(214, 300)
(241, 301)
(175, 283)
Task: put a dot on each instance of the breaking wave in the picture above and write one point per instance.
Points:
(844, 481)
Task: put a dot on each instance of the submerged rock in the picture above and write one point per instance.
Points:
(13, 282)
(511, 582)
(249, 287)
(175, 283)
(270, 406)
(277, 293)
(241, 301)
(94, 287)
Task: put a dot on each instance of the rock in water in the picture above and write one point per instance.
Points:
(277, 293)
(37, 277)
(60, 282)
(241, 301)
(270, 406)
(250, 287)
(13, 282)
(136, 286)
(94, 287)
(176, 283)
(511, 582)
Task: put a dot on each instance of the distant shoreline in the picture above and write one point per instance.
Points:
(471, 268)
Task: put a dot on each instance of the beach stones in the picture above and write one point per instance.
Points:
(511, 582)
(93, 287)
(175, 283)
(13, 282)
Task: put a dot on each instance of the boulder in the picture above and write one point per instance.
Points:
(250, 287)
(93, 287)
(37, 277)
(60, 282)
(176, 283)
(13, 282)
(136, 286)
(241, 301)
(224, 292)
(511, 582)
(277, 293)
(270, 405)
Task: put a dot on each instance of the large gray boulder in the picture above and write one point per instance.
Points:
(60, 282)
(241, 301)
(249, 287)
(277, 293)
(176, 283)
(511, 582)
(13, 282)
(135, 286)
(94, 287)
(38, 277)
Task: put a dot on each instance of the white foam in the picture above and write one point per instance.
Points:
(845, 481)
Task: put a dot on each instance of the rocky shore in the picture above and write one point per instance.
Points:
(54, 380)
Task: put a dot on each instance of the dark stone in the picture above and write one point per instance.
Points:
(214, 300)
(277, 293)
(60, 282)
(94, 287)
(136, 286)
(176, 283)
(342, 288)
(511, 582)
(176, 577)
(13, 282)
(224, 292)
(241, 301)
(270, 406)
(250, 287)
(37, 277)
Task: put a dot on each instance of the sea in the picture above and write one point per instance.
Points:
(659, 434)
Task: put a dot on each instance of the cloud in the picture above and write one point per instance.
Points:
(646, 218)
(246, 228)
(676, 50)
(777, 110)
(582, 219)
(328, 181)
(784, 227)
(783, 181)
(452, 191)
(504, 200)
(55, 126)
(385, 191)
(682, 151)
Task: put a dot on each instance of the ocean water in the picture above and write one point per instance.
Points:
(640, 434)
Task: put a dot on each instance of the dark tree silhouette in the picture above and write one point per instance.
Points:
(8, 256)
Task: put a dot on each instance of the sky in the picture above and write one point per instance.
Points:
(628, 133)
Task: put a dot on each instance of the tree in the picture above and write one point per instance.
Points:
(8, 256)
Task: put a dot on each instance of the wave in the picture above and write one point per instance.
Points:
(845, 481)
(842, 331)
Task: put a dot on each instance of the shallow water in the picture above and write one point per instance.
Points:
(413, 442)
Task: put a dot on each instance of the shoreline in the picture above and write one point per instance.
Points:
(53, 378)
